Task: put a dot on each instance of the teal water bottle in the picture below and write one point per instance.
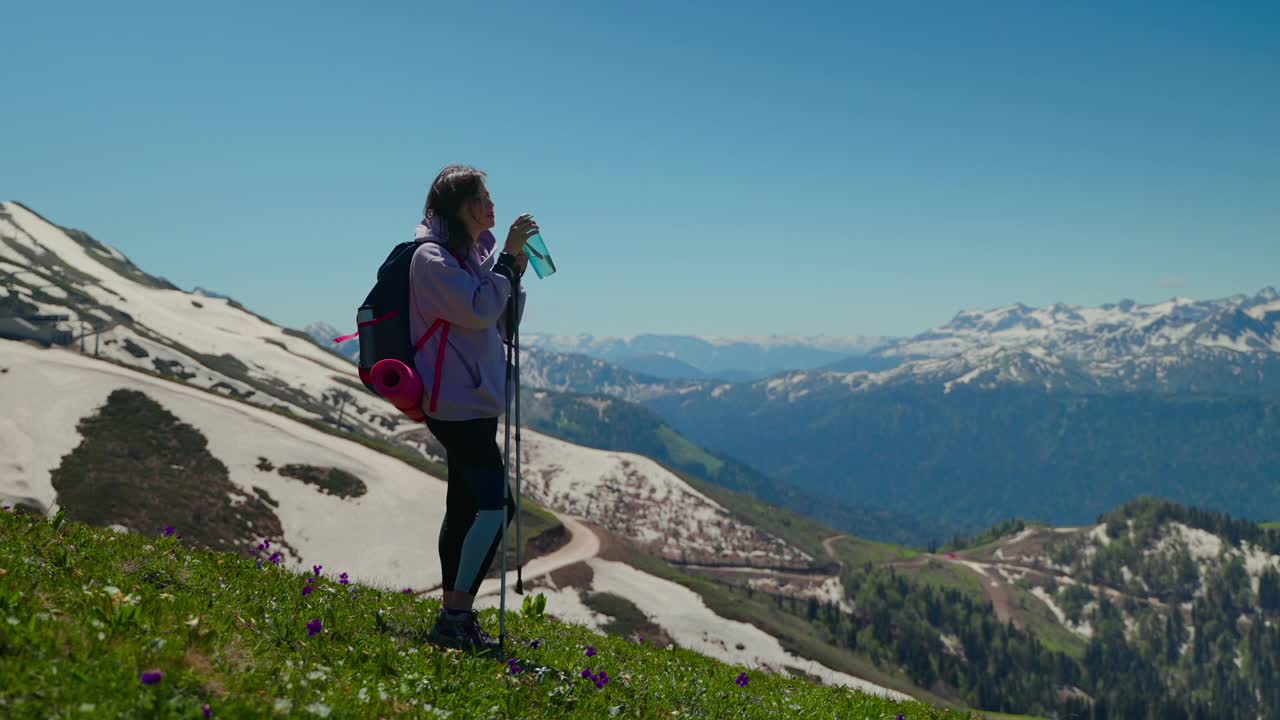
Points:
(539, 256)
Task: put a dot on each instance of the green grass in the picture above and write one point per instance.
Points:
(1270, 525)
(1040, 621)
(856, 552)
(947, 575)
(85, 611)
(684, 452)
(533, 522)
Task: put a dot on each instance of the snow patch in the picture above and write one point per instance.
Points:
(1084, 629)
(387, 536)
(639, 499)
(684, 615)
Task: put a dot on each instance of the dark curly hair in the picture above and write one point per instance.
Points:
(453, 188)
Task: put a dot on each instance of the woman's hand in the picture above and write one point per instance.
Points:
(521, 230)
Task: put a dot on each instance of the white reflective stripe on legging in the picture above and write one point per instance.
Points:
(482, 536)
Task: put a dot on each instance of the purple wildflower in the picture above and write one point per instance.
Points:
(900, 717)
(408, 591)
(513, 666)
(316, 569)
(742, 681)
(266, 543)
(179, 536)
(306, 590)
(168, 531)
(8, 507)
(591, 651)
(152, 677)
(535, 643)
(276, 557)
(602, 679)
(208, 711)
(342, 579)
(640, 639)
(586, 672)
(315, 627)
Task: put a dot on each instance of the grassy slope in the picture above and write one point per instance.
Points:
(86, 611)
(795, 634)
(791, 526)
(856, 551)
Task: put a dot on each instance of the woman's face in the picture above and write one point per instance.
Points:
(479, 210)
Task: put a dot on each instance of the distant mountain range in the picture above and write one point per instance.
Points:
(1229, 345)
(685, 357)
(1057, 414)
(722, 358)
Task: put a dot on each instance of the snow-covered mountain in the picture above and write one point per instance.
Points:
(1055, 414)
(1230, 345)
(324, 334)
(725, 358)
(1226, 345)
(142, 321)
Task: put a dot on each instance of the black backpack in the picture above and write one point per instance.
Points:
(382, 320)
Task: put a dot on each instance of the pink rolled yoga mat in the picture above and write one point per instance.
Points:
(400, 384)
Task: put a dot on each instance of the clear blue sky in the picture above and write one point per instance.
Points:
(704, 168)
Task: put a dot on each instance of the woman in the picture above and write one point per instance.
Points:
(460, 289)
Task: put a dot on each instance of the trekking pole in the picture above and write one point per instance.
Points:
(515, 347)
(506, 465)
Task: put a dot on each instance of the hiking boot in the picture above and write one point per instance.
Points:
(462, 631)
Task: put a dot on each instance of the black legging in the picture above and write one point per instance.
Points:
(476, 478)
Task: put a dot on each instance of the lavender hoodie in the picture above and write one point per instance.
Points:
(473, 298)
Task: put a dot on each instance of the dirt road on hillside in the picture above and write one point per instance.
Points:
(583, 545)
(996, 589)
(826, 545)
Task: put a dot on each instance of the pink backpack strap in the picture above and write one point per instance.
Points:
(444, 342)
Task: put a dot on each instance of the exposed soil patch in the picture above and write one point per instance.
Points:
(137, 465)
(577, 575)
(332, 481)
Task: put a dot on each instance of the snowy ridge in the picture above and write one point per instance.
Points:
(186, 334)
(693, 357)
(588, 344)
(1109, 332)
(1230, 345)
(640, 500)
